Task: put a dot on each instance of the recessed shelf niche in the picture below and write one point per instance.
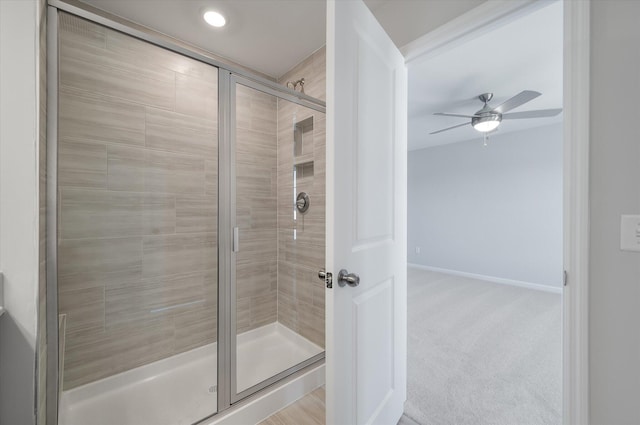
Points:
(304, 170)
(303, 137)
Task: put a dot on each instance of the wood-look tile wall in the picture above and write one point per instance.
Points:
(301, 294)
(137, 247)
(256, 208)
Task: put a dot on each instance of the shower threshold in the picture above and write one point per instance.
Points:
(182, 389)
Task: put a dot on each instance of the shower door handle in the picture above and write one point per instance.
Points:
(346, 278)
(236, 239)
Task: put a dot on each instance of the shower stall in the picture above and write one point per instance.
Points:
(187, 224)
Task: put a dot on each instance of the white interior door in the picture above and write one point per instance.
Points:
(366, 219)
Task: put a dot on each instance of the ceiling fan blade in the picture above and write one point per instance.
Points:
(517, 100)
(451, 128)
(446, 114)
(540, 113)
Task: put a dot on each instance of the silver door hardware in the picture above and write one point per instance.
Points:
(236, 239)
(346, 278)
(565, 278)
(302, 202)
(326, 277)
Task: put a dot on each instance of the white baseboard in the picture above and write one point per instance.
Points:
(529, 285)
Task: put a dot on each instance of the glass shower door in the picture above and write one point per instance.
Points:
(137, 230)
(279, 198)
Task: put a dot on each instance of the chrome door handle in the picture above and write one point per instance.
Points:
(346, 278)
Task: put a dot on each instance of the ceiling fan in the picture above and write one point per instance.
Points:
(488, 118)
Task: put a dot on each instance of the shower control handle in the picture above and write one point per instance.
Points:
(346, 278)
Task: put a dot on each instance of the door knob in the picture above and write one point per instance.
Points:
(346, 278)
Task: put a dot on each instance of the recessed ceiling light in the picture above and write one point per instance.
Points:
(215, 19)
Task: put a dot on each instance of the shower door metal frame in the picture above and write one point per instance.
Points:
(228, 73)
(52, 337)
(232, 346)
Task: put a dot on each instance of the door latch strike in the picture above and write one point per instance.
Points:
(328, 279)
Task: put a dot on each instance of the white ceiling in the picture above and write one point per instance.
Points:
(269, 36)
(525, 54)
(406, 20)
(272, 36)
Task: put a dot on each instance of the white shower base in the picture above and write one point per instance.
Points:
(182, 389)
(269, 350)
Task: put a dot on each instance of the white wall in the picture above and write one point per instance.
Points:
(614, 310)
(18, 207)
(494, 211)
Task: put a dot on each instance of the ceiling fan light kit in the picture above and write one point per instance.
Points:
(486, 123)
(488, 119)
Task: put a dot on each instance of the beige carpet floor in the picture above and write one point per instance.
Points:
(482, 353)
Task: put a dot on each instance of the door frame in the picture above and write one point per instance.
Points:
(576, 35)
